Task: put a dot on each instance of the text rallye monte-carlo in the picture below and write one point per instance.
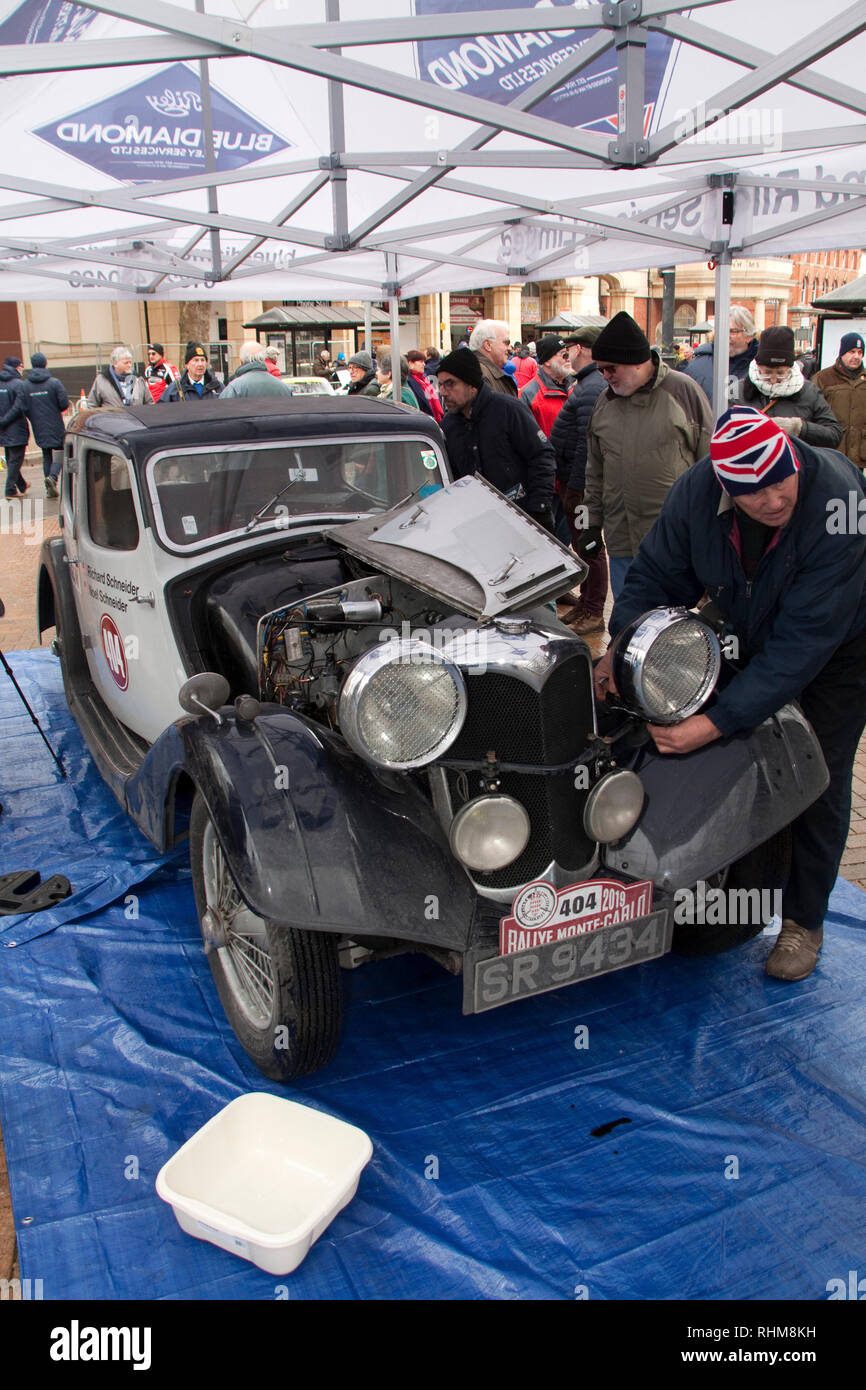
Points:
(390, 743)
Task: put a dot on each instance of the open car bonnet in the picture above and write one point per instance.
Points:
(466, 545)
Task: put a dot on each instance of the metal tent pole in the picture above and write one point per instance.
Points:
(721, 345)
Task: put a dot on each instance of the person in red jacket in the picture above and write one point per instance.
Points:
(547, 392)
(158, 373)
(525, 365)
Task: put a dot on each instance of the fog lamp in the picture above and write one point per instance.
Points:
(489, 832)
(613, 806)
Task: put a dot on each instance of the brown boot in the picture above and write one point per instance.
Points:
(582, 623)
(795, 953)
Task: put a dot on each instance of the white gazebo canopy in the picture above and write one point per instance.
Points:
(370, 149)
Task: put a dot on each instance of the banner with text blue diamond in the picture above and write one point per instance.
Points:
(155, 130)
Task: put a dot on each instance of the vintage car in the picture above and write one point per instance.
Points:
(287, 634)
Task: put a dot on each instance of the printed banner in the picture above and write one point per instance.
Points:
(155, 129)
(46, 21)
(497, 67)
(540, 914)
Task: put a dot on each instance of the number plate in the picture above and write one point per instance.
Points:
(502, 979)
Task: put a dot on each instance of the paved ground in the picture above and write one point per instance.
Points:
(20, 531)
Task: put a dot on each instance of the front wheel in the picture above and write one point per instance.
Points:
(765, 869)
(280, 986)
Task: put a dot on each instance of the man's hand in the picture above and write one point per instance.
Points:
(693, 733)
(544, 517)
(589, 542)
(602, 678)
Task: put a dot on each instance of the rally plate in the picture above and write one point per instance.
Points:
(499, 980)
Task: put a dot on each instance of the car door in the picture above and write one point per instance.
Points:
(119, 607)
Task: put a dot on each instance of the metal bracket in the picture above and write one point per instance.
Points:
(722, 180)
(632, 152)
(331, 161)
(631, 34)
(626, 12)
(391, 289)
(521, 271)
(338, 243)
(720, 250)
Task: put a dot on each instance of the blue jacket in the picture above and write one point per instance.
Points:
(14, 428)
(700, 369)
(806, 598)
(46, 399)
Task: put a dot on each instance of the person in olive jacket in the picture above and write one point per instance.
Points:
(775, 385)
(46, 400)
(647, 428)
(844, 389)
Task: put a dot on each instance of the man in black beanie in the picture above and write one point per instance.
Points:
(496, 436)
(648, 427)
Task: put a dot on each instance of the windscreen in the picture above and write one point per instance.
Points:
(202, 494)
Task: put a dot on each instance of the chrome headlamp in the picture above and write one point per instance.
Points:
(403, 704)
(666, 664)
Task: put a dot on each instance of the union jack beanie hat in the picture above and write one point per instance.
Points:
(750, 451)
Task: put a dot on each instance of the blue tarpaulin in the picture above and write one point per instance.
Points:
(737, 1170)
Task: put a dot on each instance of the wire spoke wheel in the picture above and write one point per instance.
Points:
(279, 985)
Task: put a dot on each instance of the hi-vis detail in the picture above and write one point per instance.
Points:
(540, 914)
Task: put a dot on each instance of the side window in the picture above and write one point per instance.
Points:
(111, 518)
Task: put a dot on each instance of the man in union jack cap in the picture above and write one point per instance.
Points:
(774, 532)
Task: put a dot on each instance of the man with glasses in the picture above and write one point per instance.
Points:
(742, 347)
(648, 427)
(490, 340)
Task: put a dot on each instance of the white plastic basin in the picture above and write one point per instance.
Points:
(264, 1178)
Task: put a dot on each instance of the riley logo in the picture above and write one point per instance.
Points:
(173, 103)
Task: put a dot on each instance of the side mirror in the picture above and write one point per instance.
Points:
(204, 693)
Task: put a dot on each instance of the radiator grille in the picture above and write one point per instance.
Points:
(533, 727)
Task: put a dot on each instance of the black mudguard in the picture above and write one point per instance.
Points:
(707, 809)
(314, 838)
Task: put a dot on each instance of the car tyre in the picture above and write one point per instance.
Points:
(280, 986)
(766, 867)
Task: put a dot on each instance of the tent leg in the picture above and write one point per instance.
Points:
(721, 345)
(368, 326)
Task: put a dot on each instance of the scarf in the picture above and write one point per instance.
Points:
(124, 385)
(788, 386)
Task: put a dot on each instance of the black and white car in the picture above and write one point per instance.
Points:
(287, 634)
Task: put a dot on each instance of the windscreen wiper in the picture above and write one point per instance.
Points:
(266, 508)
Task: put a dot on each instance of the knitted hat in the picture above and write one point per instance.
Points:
(848, 342)
(750, 451)
(548, 347)
(363, 360)
(621, 341)
(38, 359)
(157, 348)
(776, 347)
(464, 365)
(12, 362)
(583, 337)
(194, 350)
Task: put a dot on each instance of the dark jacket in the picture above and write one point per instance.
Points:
(418, 392)
(820, 427)
(805, 599)
(431, 366)
(846, 397)
(700, 369)
(568, 435)
(46, 399)
(14, 428)
(501, 441)
(183, 390)
(367, 386)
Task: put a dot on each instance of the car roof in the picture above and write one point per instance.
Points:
(144, 430)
